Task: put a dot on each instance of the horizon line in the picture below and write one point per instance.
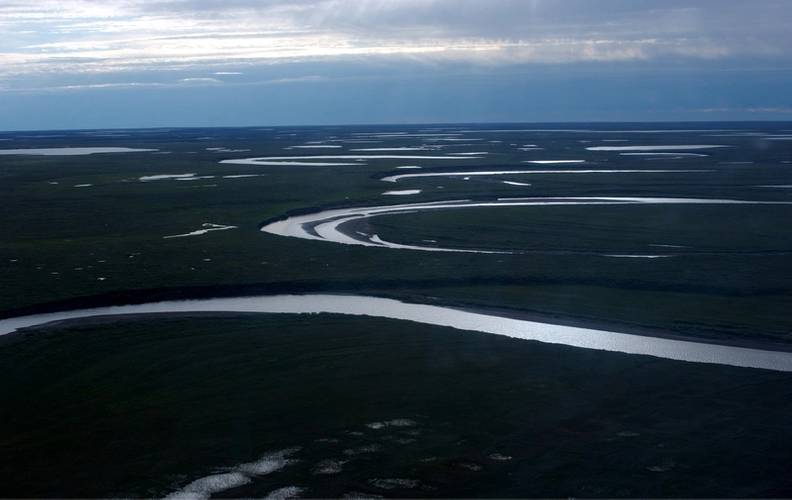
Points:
(392, 124)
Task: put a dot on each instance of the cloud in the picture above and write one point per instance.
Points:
(203, 80)
(181, 83)
(50, 38)
(750, 109)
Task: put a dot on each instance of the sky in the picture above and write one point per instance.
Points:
(153, 63)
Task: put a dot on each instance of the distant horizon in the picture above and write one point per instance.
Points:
(404, 124)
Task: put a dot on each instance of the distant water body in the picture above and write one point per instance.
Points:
(587, 338)
(71, 151)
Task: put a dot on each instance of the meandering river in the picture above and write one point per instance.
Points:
(697, 352)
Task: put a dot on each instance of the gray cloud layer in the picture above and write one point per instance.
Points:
(99, 40)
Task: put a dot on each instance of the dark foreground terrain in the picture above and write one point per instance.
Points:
(143, 407)
(337, 405)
